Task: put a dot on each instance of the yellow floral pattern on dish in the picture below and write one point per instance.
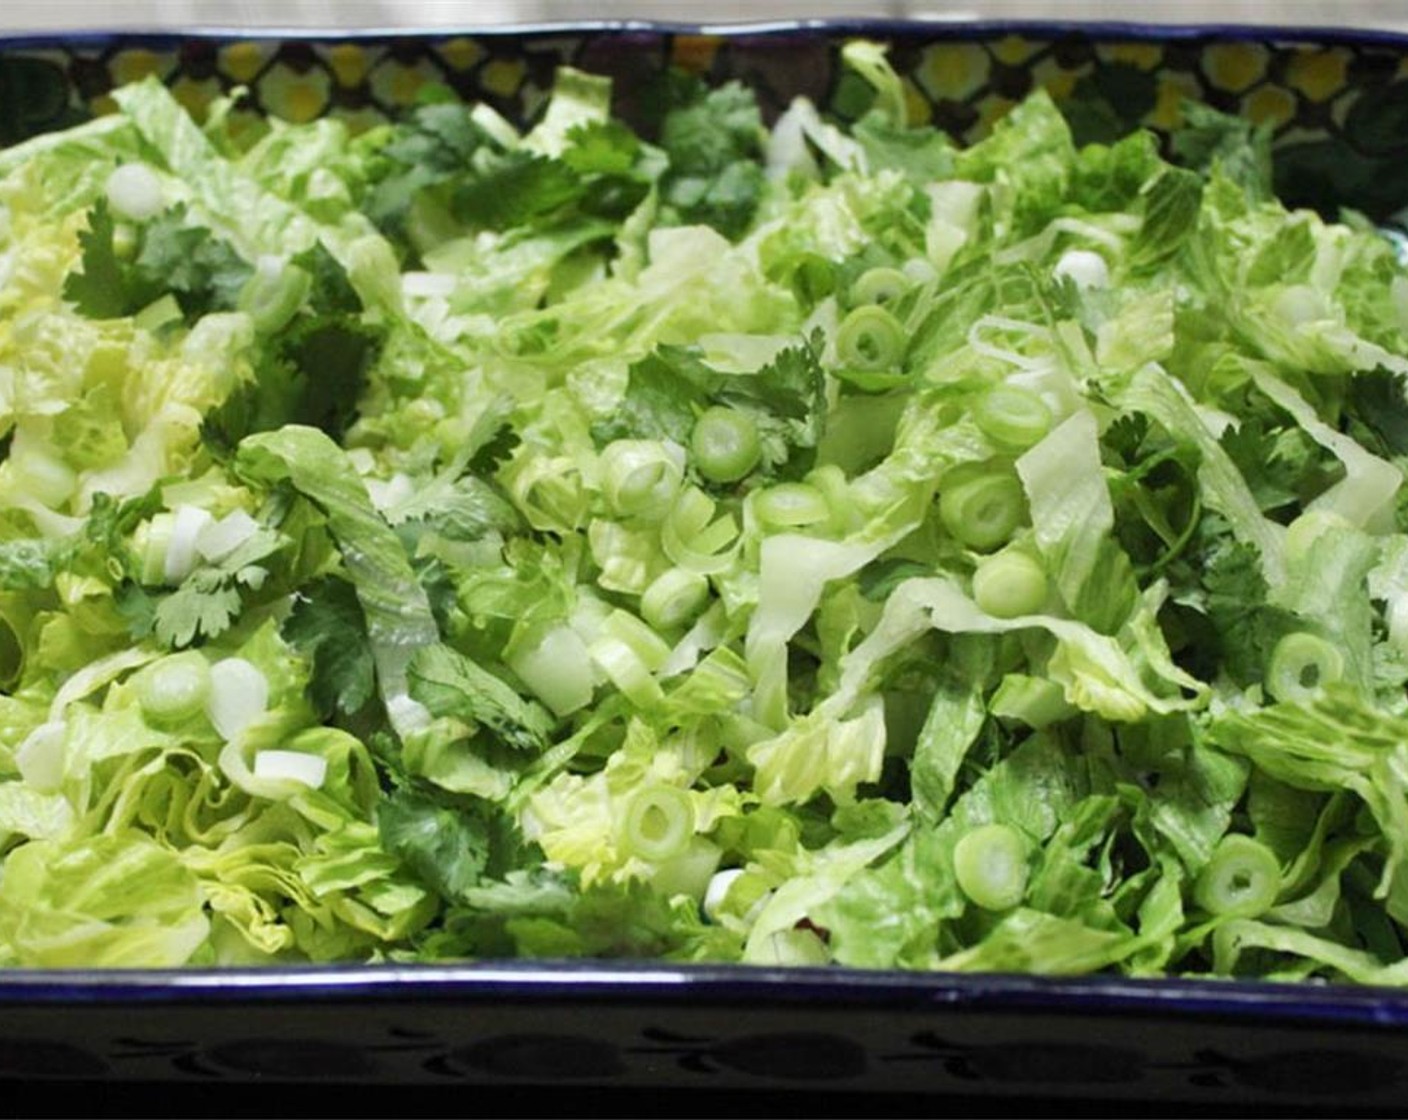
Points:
(953, 71)
(297, 96)
(963, 83)
(1318, 74)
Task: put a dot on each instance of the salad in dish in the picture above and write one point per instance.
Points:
(799, 544)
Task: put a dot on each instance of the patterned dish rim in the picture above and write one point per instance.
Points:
(958, 29)
(1288, 1003)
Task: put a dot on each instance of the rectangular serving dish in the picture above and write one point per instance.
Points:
(1338, 104)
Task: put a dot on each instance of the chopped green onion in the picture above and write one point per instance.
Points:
(42, 475)
(644, 642)
(161, 312)
(220, 538)
(1241, 880)
(717, 890)
(690, 872)
(990, 864)
(428, 285)
(800, 948)
(135, 193)
(658, 823)
(725, 444)
(1013, 418)
(1301, 665)
(640, 477)
(150, 543)
(625, 669)
(274, 293)
(293, 766)
(239, 695)
(174, 689)
(674, 598)
(1084, 268)
(870, 338)
(556, 667)
(791, 504)
(188, 522)
(693, 539)
(983, 510)
(879, 285)
(1010, 584)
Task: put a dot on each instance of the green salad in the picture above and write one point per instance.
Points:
(795, 545)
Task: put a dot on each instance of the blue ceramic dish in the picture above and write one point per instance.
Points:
(1338, 105)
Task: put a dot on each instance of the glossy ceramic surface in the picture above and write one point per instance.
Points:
(1338, 107)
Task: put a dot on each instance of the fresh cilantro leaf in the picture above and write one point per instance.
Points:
(31, 563)
(713, 139)
(492, 439)
(313, 374)
(668, 389)
(465, 509)
(203, 271)
(616, 168)
(441, 137)
(207, 601)
(327, 626)
(922, 153)
(446, 845)
(173, 254)
(1247, 626)
(1378, 405)
(332, 292)
(495, 451)
(203, 606)
(602, 148)
(431, 146)
(1278, 464)
(725, 200)
(1123, 440)
(787, 398)
(450, 684)
(665, 392)
(137, 607)
(330, 360)
(516, 191)
(262, 404)
(100, 287)
(1232, 144)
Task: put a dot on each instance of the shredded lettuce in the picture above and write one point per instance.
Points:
(808, 544)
